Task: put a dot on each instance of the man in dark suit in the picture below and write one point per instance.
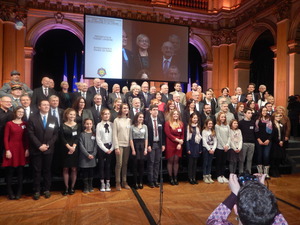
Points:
(232, 106)
(115, 94)
(207, 114)
(180, 107)
(239, 94)
(29, 110)
(127, 58)
(165, 96)
(97, 108)
(96, 89)
(208, 99)
(136, 107)
(199, 105)
(54, 110)
(156, 144)
(43, 132)
(251, 89)
(83, 93)
(42, 93)
(145, 95)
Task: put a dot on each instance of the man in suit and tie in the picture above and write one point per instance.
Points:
(156, 145)
(42, 93)
(177, 87)
(54, 110)
(165, 96)
(178, 105)
(145, 95)
(97, 108)
(83, 93)
(96, 89)
(251, 89)
(261, 89)
(43, 132)
(208, 99)
(232, 106)
(29, 110)
(239, 94)
(199, 105)
(136, 107)
(16, 92)
(115, 94)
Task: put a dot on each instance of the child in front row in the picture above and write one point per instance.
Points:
(193, 146)
(236, 143)
(87, 155)
(209, 141)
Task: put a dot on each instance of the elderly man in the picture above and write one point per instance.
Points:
(145, 95)
(115, 94)
(177, 87)
(239, 94)
(224, 109)
(97, 89)
(5, 116)
(42, 93)
(232, 106)
(97, 108)
(15, 80)
(165, 96)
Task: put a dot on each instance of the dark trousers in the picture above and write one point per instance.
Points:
(41, 164)
(138, 160)
(153, 163)
(263, 154)
(221, 157)
(104, 164)
(207, 162)
(9, 177)
(192, 167)
(87, 172)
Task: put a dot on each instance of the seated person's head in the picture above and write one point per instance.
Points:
(256, 205)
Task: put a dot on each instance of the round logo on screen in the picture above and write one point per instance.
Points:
(101, 72)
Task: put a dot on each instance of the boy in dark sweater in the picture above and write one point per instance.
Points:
(247, 128)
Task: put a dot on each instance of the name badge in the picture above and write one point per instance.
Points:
(74, 133)
(23, 126)
(93, 138)
(51, 125)
(251, 127)
(179, 130)
(143, 130)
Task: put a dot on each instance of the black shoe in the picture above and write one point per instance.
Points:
(66, 192)
(156, 184)
(36, 196)
(151, 185)
(135, 186)
(172, 181)
(175, 181)
(72, 191)
(191, 181)
(11, 197)
(195, 181)
(47, 194)
(141, 186)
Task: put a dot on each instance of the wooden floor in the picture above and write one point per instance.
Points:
(182, 204)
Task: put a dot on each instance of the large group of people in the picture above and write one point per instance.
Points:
(136, 126)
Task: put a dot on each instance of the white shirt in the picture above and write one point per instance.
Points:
(103, 137)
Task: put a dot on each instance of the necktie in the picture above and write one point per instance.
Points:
(46, 92)
(155, 128)
(98, 108)
(54, 113)
(136, 110)
(83, 95)
(106, 128)
(44, 121)
(166, 66)
(98, 91)
(26, 114)
(146, 96)
(118, 95)
(177, 106)
(125, 56)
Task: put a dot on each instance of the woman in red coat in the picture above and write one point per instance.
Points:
(174, 130)
(16, 151)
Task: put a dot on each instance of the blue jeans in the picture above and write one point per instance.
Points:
(207, 161)
(263, 154)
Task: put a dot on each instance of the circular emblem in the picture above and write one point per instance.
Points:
(101, 72)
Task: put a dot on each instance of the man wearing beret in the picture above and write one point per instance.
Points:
(15, 80)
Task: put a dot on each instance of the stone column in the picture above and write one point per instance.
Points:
(1, 52)
(241, 73)
(207, 75)
(9, 50)
(294, 68)
(28, 52)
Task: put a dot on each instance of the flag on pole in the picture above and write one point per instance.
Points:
(74, 86)
(65, 75)
(81, 72)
